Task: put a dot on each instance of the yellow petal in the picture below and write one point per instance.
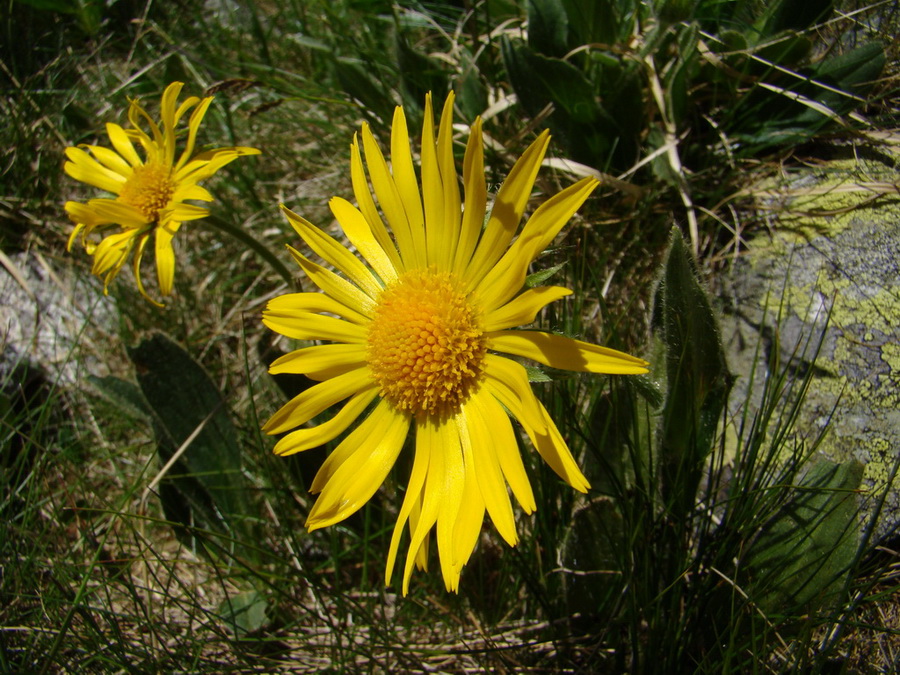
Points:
(481, 432)
(421, 554)
(506, 446)
(185, 192)
(111, 160)
(454, 477)
(347, 486)
(313, 437)
(467, 528)
(524, 308)
(306, 405)
(337, 287)
(75, 232)
(476, 198)
(553, 449)
(428, 443)
(112, 211)
(307, 326)
(410, 234)
(153, 153)
(193, 126)
(186, 105)
(206, 164)
(565, 353)
(181, 212)
(410, 509)
(138, 256)
(112, 252)
(320, 362)
(313, 302)
(507, 277)
(450, 208)
(368, 209)
(507, 210)
(167, 103)
(165, 260)
(137, 114)
(360, 235)
(508, 382)
(84, 168)
(436, 234)
(122, 144)
(81, 214)
(335, 254)
(404, 176)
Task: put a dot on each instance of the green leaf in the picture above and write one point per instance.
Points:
(356, 80)
(541, 276)
(206, 485)
(697, 376)
(547, 27)
(535, 374)
(786, 52)
(791, 15)
(88, 12)
(471, 93)
(566, 87)
(420, 75)
(861, 65)
(595, 22)
(577, 121)
(854, 73)
(679, 77)
(801, 558)
(126, 396)
(244, 613)
(63, 6)
(588, 556)
(675, 11)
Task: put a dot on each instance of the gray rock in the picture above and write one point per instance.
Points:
(833, 260)
(47, 315)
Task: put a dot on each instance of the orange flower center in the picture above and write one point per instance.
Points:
(425, 345)
(149, 189)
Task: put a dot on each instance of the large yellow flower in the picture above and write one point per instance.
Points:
(151, 193)
(413, 335)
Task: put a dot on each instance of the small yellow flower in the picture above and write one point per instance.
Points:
(413, 335)
(151, 193)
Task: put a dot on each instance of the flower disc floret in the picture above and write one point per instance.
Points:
(426, 346)
(149, 189)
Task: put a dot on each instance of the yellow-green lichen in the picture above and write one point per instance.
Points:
(831, 268)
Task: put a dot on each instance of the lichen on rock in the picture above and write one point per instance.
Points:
(832, 268)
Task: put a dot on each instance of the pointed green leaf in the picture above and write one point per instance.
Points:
(535, 374)
(420, 75)
(697, 375)
(126, 396)
(357, 81)
(244, 612)
(801, 558)
(547, 27)
(595, 22)
(206, 485)
(541, 276)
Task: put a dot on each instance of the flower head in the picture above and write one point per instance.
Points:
(152, 192)
(413, 333)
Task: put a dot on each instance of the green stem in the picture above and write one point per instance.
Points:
(246, 238)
